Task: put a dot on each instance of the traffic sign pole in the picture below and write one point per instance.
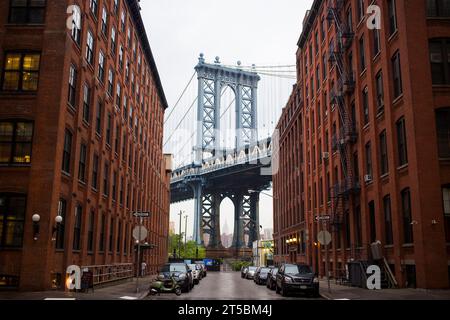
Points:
(139, 255)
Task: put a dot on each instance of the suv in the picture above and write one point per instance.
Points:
(181, 273)
(296, 278)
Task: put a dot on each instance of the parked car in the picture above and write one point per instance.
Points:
(196, 273)
(181, 273)
(244, 271)
(296, 278)
(202, 265)
(261, 275)
(272, 278)
(250, 272)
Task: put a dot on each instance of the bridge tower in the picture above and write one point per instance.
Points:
(212, 79)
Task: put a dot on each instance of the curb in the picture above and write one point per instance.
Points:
(325, 296)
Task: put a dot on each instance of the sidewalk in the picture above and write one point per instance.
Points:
(125, 290)
(339, 292)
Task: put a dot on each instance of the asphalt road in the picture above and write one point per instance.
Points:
(227, 286)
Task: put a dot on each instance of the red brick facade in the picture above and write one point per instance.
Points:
(131, 173)
(312, 129)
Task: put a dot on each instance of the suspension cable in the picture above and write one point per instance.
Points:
(181, 96)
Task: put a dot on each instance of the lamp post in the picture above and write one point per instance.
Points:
(185, 232)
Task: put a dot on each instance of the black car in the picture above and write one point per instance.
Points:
(182, 274)
(261, 275)
(294, 278)
(272, 278)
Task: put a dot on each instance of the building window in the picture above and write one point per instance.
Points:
(82, 163)
(27, 11)
(376, 42)
(77, 228)
(90, 235)
(121, 191)
(388, 233)
(365, 99)
(116, 7)
(113, 41)
(76, 26)
(21, 71)
(440, 60)
(362, 55)
(72, 85)
(119, 237)
(446, 202)
(98, 119)
(368, 159)
(373, 229)
(121, 51)
(123, 18)
(443, 132)
(384, 153)
(104, 22)
(60, 232)
(90, 48)
(114, 186)
(110, 82)
(361, 10)
(12, 218)
(16, 139)
(118, 95)
(358, 227)
(101, 243)
(111, 235)
(86, 103)
(101, 66)
(397, 75)
(67, 151)
(95, 172)
(380, 93)
(392, 16)
(438, 8)
(106, 180)
(108, 129)
(93, 5)
(402, 148)
(407, 217)
(117, 140)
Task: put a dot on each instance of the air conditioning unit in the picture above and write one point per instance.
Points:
(367, 178)
(325, 155)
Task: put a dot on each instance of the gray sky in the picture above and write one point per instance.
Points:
(261, 32)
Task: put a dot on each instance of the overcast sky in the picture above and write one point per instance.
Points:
(261, 32)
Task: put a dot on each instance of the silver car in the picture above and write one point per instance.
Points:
(251, 272)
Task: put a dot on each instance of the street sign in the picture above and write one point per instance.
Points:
(324, 237)
(323, 218)
(140, 233)
(141, 214)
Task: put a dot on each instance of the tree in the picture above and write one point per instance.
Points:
(189, 252)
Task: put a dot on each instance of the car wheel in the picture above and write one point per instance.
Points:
(178, 291)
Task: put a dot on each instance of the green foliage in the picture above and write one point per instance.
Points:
(237, 265)
(190, 251)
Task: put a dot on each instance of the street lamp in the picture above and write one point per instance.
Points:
(58, 221)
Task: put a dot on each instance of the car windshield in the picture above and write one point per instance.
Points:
(265, 270)
(274, 271)
(252, 268)
(192, 267)
(174, 268)
(297, 269)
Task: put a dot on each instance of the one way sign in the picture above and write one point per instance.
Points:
(144, 214)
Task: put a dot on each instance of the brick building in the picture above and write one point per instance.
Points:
(81, 125)
(365, 140)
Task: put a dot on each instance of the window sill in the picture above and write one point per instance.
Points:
(408, 245)
(397, 100)
(25, 94)
(14, 165)
(389, 246)
(376, 57)
(393, 36)
(403, 168)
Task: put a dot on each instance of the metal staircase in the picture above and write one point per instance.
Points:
(347, 136)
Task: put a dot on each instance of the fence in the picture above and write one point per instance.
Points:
(109, 273)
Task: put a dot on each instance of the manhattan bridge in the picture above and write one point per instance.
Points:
(224, 146)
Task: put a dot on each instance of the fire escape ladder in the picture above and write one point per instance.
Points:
(345, 85)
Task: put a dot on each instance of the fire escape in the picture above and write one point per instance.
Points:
(346, 136)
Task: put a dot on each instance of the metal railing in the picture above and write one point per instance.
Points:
(112, 272)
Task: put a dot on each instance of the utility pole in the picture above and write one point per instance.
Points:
(185, 232)
(179, 238)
